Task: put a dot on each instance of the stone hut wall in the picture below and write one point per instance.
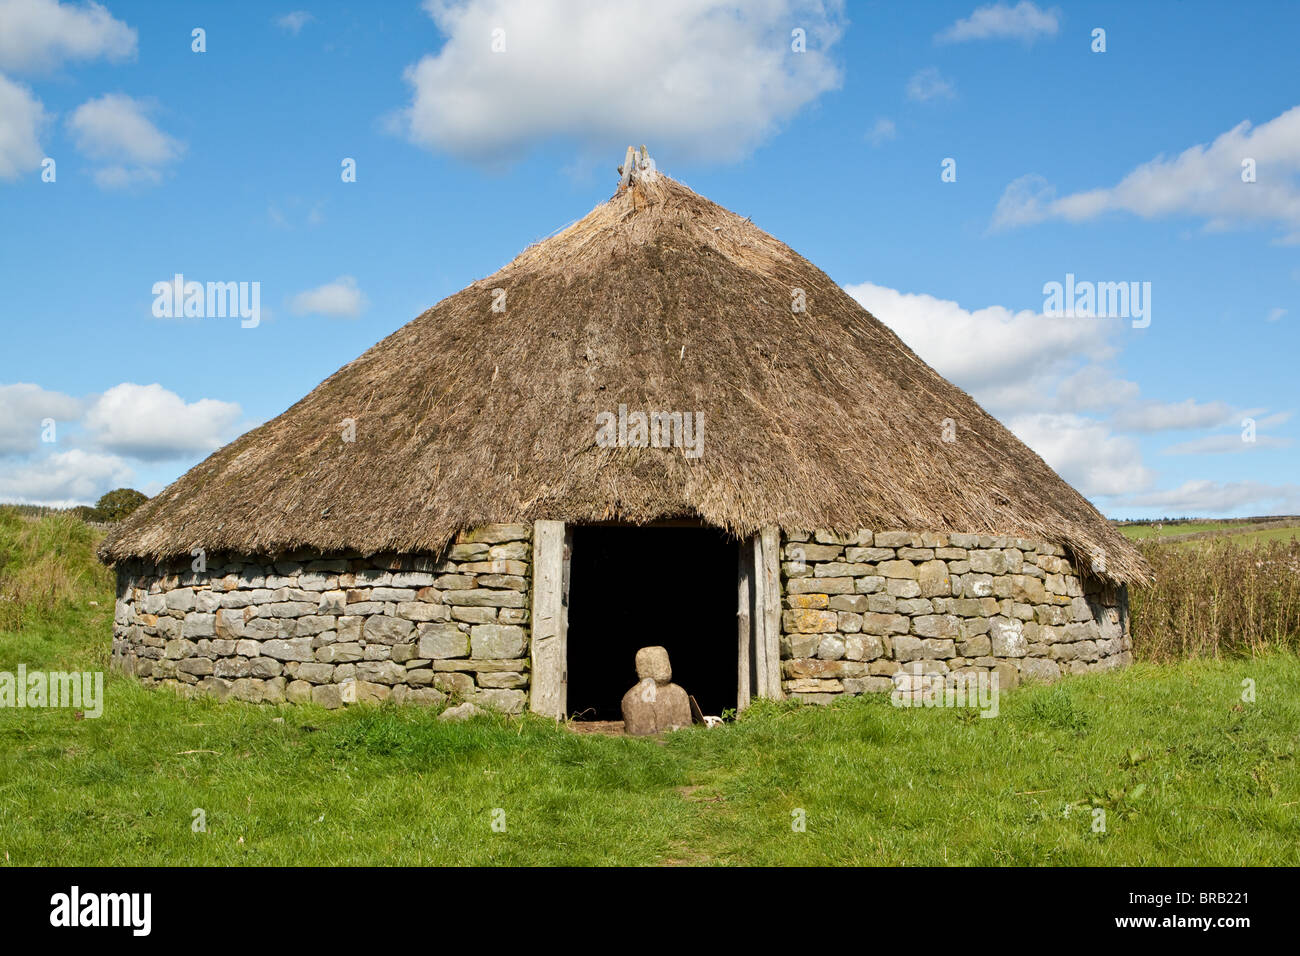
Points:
(336, 629)
(857, 609)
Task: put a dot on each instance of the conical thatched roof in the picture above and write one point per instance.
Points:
(660, 300)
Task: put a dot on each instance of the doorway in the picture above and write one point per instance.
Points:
(633, 587)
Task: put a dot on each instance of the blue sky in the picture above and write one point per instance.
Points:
(225, 165)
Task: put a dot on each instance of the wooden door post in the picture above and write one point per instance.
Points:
(549, 623)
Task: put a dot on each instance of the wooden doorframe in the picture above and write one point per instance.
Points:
(549, 626)
(758, 618)
(763, 565)
(744, 622)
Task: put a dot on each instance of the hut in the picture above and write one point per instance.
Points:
(659, 426)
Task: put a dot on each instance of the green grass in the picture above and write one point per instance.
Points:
(47, 565)
(1250, 532)
(1248, 538)
(1145, 532)
(1187, 771)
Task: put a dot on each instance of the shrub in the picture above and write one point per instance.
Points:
(118, 503)
(1217, 600)
(45, 564)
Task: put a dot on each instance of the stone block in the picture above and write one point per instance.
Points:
(863, 647)
(483, 597)
(883, 624)
(869, 555)
(496, 641)
(380, 672)
(502, 679)
(799, 645)
(180, 599)
(907, 648)
(903, 588)
(423, 611)
(897, 569)
(936, 625)
(831, 647)
(382, 629)
(297, 649)
(1007, 637)
(847, 602)
(199, 625)
(264, 668)
(315, 673)
(893, 539)
(932, 576)
(440, 641)
(868, 685)
(801, 621)
(820, 586)
(808, 601)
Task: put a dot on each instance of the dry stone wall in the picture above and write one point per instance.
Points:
(339, 629)
(858, 609)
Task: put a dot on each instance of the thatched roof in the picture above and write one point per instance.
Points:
(660, 300)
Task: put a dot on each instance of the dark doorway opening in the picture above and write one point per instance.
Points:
(632, 587)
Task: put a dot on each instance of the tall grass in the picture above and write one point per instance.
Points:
(1217, 600)
(46, 564)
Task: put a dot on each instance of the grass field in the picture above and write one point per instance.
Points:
(1146, 532)
(1247, 538)
(1186, 770)
(1241, 532)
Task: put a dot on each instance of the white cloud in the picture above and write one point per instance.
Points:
(1275, 314)
(1037, 374)
(64, 478)
(928, 84)
(124, 177)
(1031, 371)
(294, 22)
(1094, 388)
(882, 132)
(153, 424)
(39, 35)
(340, 299)
(1203, 181)
(22, 409)
(1269, 421)
(1000, 21)
(21, 119)
(98, 439)
(704, 79)
(1229, 444)
(116, 127)
(1023, 202)
(296, 211)
(1084, 452)
(1008, 360)
(1166, 416)
(1204, 497)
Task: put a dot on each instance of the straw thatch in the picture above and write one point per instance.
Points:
(660, 300)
